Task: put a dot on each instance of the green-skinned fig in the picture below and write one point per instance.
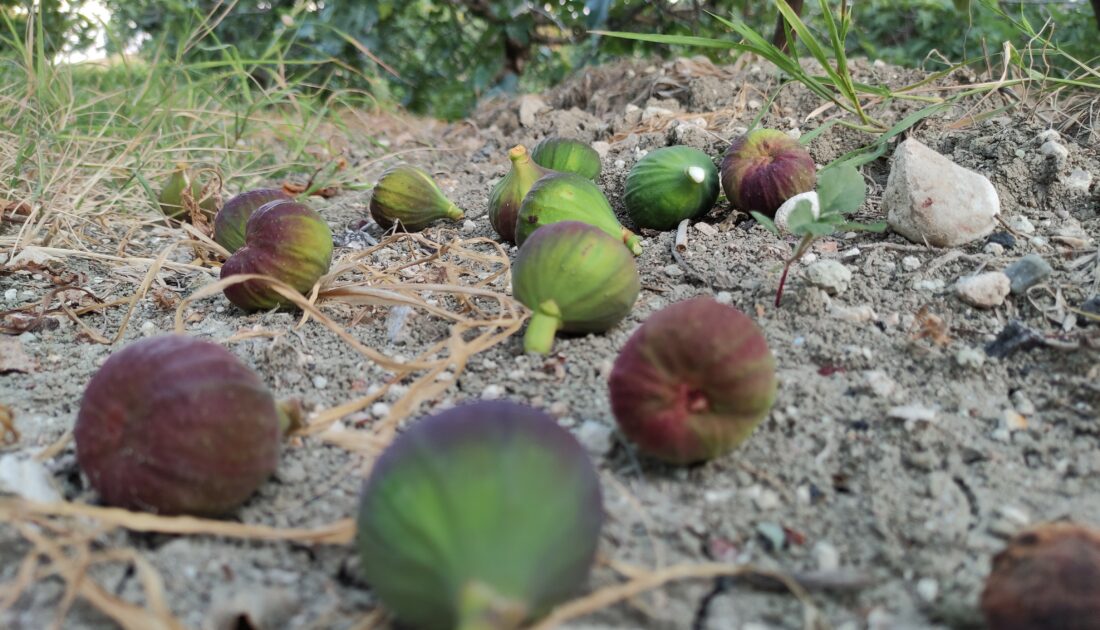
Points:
(569, 197)
(669, 185)
(508, 194)
(567, 156)
(574, 278)
(172, 202)
(230, 222)
(693, 382)
(764, 168)
(176, 425)
(409, 196)
(286, 240)
(482, 517)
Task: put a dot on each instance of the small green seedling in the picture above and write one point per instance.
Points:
(840, 191)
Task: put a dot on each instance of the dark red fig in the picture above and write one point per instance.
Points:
(693, 381)
(230, 222)
(176, 425)
(764, 168)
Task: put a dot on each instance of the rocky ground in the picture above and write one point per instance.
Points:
(914, 431)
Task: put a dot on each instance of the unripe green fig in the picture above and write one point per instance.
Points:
(230, 222)
(508, 194)
(286, 240)
(569, 197)
(567, 156)
(764, 168)
(176, 425)
(409, 196)
(693, 381)
(574, 278)
(171, 198)
(481, 517)
(669, 185)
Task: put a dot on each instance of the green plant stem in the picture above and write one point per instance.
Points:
(541, 329)
(803, 245)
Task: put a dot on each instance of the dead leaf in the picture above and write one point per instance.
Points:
(8, 433)
(13, 358)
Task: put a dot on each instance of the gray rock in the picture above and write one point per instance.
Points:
(1078, 181)
(830, 276)
(595, 436)
(1027, 272)
(931, 199)
(984, 290)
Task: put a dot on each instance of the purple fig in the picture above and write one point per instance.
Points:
(286, 240)
(230, 222)
(764, 168)
(482, 516)
(176, 425)
(508, 194)
(693, 382)
(409, 196)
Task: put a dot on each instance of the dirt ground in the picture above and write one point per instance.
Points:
(898, 458)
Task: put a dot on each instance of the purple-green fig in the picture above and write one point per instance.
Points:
(567, 156)
(574, 278)
(481, 517)
(409, 196)
(176, 425)
(693, 381)
(231, 220)
(669, 185)
(764, 168)
(509, 192)
(569, 197)
(171, 199)
(286, 240)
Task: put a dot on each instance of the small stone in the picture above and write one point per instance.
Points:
(1027, 272)
(468, 226)
(673, 270)
(11, 295)
(529, 108)
(860, 314)
(928, 589)
(994, 249)
(784, 212)
(379, 410)
(970, 358)
(881, 384)
(827, 556)
(850, 254)
(775, 539)
(929, 284)
(148, 328)
(1022, 224)
(912, 263)
(1013, 420)
(724, 297)
(320, 382)
(492, 392)
(1004, 239)
(1055, 151)
(653, 111)
(767, 499)
(1022, 403)
(595, 436)
(620, 164)
(1078, 181)
(601, 148)
(706, 229)
(830, 276)
(1048, 135)
(985, 290)
(28, 478)
(912, 413)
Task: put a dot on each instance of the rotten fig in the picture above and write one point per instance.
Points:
(408, 196)
(570, 197)
(669, 185)
(182, 191)
(567, 156)
(231, 220)
(764, 168)
(508, 194)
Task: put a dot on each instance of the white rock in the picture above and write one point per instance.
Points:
(379, 410)
(984, 290)
(27, 478)
(1055, 150)
(1078, 181)
(860, 314)
(601, 148)
(148, 328)
(673, 270)
(11, 295)
(492, 392)
(595, 436)
(320, 382)
(529, 108)
(994, 249)
(911, 263)
(931, 199)
(784, 211)
(881, 384)
(468, 226)
(1022, 224)
(724, 297)
(912, 413)
(928, 589)
(656, 112)
(850, 254)
(830, 276)
(970, 358)
(1048, 135)
(706, 229)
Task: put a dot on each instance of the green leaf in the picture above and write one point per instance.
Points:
(840, 189)
(877, 226)
(765, 221)
(801, 216)
(818, 229)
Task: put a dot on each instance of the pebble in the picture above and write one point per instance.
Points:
(148, 328)
(706, 229)
(595, 436)
(1022, 403)
(928, 589)
(1078, 181)
(984, 290)
(1013, 420)
(1008, 520)
(1055, 150)
(379, 410)
(1022, 224)
(775, 539)
(492, 392)
(993, 249)
(850, 253)
(912, 413)
(911, 263)
(673, 270)
(1048, 135)
(855, 314)
(830, 276)
(784, 211)
(27, 478)
(1004, 239)
(320, 382)
(826, 555)
(656, 112)
(468, 226)
(11, 295)
(620, 164)
(881, 384)
(929, 284)
(601, 148)
(1027, 272)
(529, 108)
(724, 297)
(970, 357)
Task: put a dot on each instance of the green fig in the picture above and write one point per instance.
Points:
(574, 278)
(409, 196)
(567, 156)
(569, 197)
(508, 194)
(229, 224)
(171, 198)
(669, 185)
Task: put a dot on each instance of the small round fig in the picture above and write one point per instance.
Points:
(693, 382)
(176, 425)
(669, 185)
(230, 222)
(569, 197)
(764, 168)
(482, 516)
(574, 278)
(409, 196)
(1047, 577)
(171, 197)
(286, 240)
(567, 156)
(508, 194)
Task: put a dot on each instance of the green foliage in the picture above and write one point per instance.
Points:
(63, 28)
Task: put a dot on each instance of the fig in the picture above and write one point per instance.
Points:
(569, 197)
(286, 240)
(669, 185)
(693, 381)
(574, 278)
(508, 194)
(1047, 577)
(764, 168)
(231, 220)
(409, 196)
(171, 197)
(483, 516)
(567, 156)
(176, 425)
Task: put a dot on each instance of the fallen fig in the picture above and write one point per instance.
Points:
(567, 156)
(569, 197)
(574, 278)
(286, 240)
(176, 425)
(669, 185)
(409, 196)
(764, 168)
(1047, 577)
(693, 381)
(508, 194)
(483, 516)
(230, 222)
(171, 199)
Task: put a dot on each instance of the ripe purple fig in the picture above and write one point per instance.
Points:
(176, 425)
(230, 222)
(409, 196)
(764, 168)
(693, 382)
(286, 240)
(508, 194)
(483, 517)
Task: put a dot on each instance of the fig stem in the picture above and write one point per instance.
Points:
(482, 608)
(631, 240)
(803, 245)
(454, 212)
(291, 415)
(697, 174)
(541, 329)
